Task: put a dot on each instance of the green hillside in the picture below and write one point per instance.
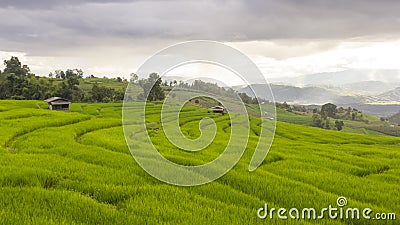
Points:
(395, 119)
(87, 83)
(75, 168)
(368, 124)
(302, 95)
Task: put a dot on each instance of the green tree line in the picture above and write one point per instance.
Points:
(18, 82)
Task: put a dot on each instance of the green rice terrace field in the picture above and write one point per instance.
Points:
(75, 168)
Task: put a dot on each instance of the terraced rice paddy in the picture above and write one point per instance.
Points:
(75, 168)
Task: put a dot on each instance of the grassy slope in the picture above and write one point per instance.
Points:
(86, 83)
(74, 168)
(373, 127)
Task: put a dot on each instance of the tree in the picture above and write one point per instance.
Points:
(72, 82)
(134, 78)
(105, 94)
(317, 121)
(17, 76)
(328, 110)
(78, 73)
(14, 66)
(152, 87)
(327, 124)
(284, 106)
(96, 93)
(245, 98)
(64, 91)
(353, 116)
(68, 88)
(339, 125)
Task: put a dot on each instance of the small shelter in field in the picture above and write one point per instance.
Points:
(218, 109)
(58, 103)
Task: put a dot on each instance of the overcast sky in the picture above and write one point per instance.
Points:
(284, 38)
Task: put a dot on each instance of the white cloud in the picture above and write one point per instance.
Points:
(298, 58)
(347, 55)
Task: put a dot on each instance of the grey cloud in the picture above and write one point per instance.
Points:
(47, 4)
(48, 24)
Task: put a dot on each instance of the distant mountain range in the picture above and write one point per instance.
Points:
(369, 90)
(368, 87)
(342, 78)
(393, 95)
(377, 98)
(301, 96)
(382, 105)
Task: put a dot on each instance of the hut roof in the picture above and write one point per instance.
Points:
(57, 101)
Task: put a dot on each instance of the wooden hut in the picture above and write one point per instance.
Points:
(57, 103)
(218, 109)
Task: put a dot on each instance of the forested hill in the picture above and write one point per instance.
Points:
(18, 82)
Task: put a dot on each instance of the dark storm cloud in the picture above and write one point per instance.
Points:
(45, 4)
(40, 25)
